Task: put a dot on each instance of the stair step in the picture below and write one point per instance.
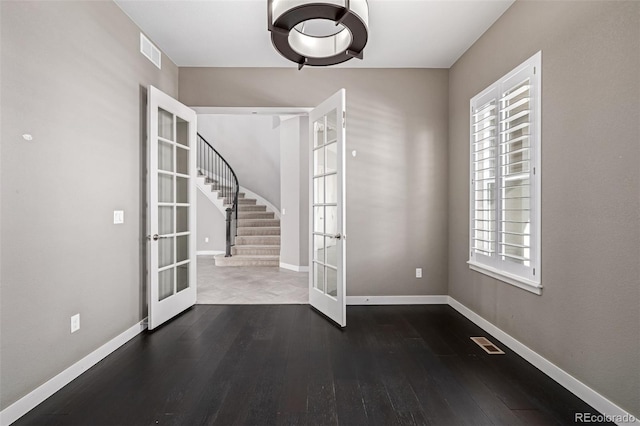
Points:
(251, 208)
(255, 215)
(247, 260)
(246, 201)
(240, 194)
(255, 250)
(258, 240)
(216, 187)
(258, 230)
(230, 201)
(243, 223)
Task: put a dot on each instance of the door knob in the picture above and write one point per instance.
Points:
(337, 236)
(156, 237)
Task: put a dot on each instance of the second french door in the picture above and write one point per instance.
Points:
(327, 272)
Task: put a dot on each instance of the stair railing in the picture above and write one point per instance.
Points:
(223, 179)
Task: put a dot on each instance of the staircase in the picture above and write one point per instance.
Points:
(253, 233)
(258, 237)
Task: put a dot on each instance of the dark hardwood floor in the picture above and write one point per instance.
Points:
(286, 364)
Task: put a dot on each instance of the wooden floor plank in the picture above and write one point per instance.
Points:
(288, 365)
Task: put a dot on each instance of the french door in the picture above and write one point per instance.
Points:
(327, 272)
(171, 212)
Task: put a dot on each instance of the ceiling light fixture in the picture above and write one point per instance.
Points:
(318, 33)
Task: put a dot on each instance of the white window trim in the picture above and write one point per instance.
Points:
(492, 267)
(498, 274)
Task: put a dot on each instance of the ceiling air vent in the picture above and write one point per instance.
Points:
(488, 347)
(150, 51)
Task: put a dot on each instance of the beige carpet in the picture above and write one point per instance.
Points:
(249, 284)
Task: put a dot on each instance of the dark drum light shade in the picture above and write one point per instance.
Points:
(318, 33)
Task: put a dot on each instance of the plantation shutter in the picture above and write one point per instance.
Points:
(514, 239)
(484, 135)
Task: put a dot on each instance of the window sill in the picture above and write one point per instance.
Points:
(523, 283)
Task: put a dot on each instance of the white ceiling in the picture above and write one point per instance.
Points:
(233, 33)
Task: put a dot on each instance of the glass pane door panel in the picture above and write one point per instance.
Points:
(182, 160)
(165, 283)
(165, 188)
(182, 278)
(331, 251)
(165, 124)
(332, 282)
(318, 190)
(165, 252)
(182, 130)
(332, 130)
(331, 159)
(165, 220)
(318, 132)
(165, 156)
(318, 248)
(318, 275)
(318, 161)
(331, 192)
(331, 220)
(182, 248)
(318, 219)
(182, 219)
(182, 189)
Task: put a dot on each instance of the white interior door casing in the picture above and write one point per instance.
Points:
(171, 153)
(327, 272)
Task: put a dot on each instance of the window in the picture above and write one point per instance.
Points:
(504, 226)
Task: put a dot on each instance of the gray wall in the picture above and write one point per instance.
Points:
(294, 190)
(210, 224)
(251, 145)
(72, 76)
(587, 320)
(397, 184)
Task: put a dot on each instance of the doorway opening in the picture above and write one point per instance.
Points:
(174, 172)
(268, 149)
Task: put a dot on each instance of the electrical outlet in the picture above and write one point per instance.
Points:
(418, 272)
(75, 323)
(206, 239)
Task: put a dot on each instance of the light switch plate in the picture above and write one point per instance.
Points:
(75, 323)
(418, 272)
(118, 217)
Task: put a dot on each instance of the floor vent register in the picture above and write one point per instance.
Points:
(488, 347)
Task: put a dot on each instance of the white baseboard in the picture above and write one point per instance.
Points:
(573, 385)
(295, 268)
(44, 391)
(397, 300)
(208, 252)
